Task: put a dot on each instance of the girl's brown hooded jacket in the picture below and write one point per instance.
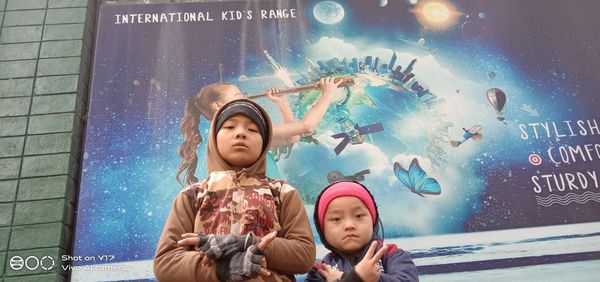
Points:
(236, 202)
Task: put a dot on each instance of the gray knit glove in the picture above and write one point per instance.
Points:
(242, 266)
(224, 246)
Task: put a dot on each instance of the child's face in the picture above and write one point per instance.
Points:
(239, 142)
(348, 225)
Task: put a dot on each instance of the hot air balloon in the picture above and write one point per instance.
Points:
(497, 99)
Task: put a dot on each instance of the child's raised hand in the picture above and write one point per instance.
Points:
(329, 273)
(368, 268)
(328, 85)
(271, 94)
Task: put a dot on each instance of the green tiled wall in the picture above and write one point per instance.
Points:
(44, 71)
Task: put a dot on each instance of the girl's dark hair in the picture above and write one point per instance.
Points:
(195, 107)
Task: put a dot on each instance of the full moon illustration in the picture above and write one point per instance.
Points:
(329, 12)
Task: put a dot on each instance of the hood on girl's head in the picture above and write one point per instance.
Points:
(254, 112)
(245, 108)
(340, 189)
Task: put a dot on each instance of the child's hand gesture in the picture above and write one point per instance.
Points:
(328, 85)
(248, 264)
(192, 239)
(265, 243)
(329, 273)
(368, 268)
(216, 246)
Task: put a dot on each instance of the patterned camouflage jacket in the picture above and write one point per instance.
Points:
(236, 202)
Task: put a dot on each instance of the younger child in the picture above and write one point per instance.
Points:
(226, 214)
(347, 221)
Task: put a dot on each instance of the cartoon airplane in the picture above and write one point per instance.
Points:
(471, 133)
(355, 135)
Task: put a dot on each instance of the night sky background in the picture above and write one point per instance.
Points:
(544, 54)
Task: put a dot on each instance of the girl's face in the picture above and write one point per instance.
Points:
(239, 142)
(228, 93)
(348, 225)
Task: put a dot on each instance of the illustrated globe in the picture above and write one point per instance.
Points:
(374, 98)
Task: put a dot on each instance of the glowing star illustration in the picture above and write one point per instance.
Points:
(471, 133)
(436, 15)
(355, 135)
(436, 12)
(328, 12)
(415, 179)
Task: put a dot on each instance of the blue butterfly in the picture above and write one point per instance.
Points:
(416, 179)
